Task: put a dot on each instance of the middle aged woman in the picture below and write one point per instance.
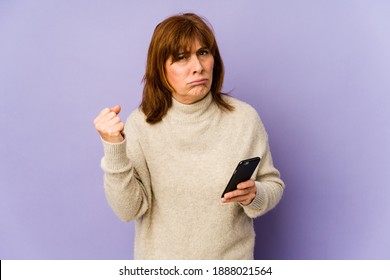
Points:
(167, 167)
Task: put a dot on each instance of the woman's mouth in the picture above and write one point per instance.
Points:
(198, 82)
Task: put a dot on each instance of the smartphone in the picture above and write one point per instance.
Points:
(242, 173)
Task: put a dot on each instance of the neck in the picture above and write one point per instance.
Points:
(193, 112)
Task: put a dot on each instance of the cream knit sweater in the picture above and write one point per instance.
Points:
(169, 177)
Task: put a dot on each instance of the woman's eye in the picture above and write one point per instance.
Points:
(181, 57)
(203, 52)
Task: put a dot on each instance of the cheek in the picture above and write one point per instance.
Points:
(174, 76)
(211, 65)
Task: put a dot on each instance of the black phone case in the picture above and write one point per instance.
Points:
(243, 172)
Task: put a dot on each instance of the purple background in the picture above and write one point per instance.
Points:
(318, 72)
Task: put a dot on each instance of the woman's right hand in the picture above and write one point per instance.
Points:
(109, 125)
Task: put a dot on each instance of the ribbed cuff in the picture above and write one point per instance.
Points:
(259, 200)
(115, 156)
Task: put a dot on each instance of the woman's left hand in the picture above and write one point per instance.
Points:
(245, 193)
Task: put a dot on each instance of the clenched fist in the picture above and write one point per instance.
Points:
(109, 125)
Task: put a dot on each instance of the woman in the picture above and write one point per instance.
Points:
(168, 166)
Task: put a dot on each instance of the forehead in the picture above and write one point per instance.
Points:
(193, 46)
(189, 43)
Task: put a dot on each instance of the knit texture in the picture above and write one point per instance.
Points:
(169, 177)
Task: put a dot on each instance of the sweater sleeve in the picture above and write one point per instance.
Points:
(125, 191)
(269, 186)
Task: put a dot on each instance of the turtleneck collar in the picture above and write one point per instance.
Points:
(195, 112)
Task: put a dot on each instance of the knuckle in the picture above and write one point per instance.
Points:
(110, 132)
(114, 133)
(105, 110)
(98, 127)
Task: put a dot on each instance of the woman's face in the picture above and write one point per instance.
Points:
(190, 74)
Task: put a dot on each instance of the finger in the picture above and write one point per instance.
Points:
(105, 118)
(107, 113)
(113, 121)
(243, 199)
(121, 128)
(102, 113)
(112, 130)
(239, 192)
(233, 195)
(115, 130)
(109, 124)
(246, 184)
(116, 109)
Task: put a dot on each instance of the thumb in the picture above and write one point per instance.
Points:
(116, 109)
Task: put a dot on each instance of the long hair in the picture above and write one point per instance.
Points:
(171, 36)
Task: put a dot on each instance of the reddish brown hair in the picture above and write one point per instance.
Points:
(170, 37)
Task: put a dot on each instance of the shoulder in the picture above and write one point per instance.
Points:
(136, 120)
(245, 113)
(241, 108)
(136, 116)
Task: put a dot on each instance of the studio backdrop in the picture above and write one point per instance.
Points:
(317, 72)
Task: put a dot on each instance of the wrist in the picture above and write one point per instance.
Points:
(113, 139)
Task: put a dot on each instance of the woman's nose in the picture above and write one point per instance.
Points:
(197, 65)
